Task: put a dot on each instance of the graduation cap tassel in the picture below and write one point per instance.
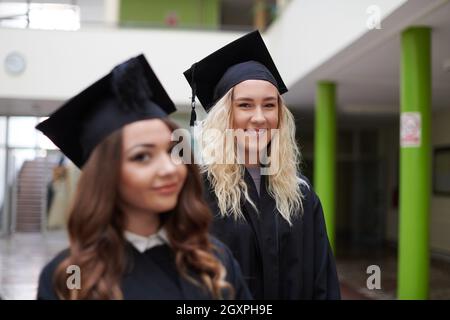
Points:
(193, 113)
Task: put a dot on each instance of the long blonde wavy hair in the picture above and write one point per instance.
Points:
(227, 177)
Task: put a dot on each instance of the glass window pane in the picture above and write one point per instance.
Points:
(44, 142)
(2, 131)
(19, 156)
(50, 16)
(22, 132)
(2, 184)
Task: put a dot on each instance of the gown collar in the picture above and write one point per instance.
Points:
(142, 243)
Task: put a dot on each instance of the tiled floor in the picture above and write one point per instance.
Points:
(23, 255)
(352, 269)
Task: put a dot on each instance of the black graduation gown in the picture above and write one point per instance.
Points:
(277, 260)
(153, 275)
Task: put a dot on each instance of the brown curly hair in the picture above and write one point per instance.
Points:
(96, 226)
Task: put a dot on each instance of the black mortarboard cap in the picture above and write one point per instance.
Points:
(130, 92)
(243, 59)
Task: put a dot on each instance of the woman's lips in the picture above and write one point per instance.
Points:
(167, 188)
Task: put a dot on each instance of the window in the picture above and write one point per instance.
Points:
(48, 16)
(441, 171)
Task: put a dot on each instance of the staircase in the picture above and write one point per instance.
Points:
(31, 194)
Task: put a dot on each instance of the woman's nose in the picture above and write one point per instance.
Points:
(258, 116)
(167, 166)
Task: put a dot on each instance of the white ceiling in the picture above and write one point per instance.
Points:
(367, 72)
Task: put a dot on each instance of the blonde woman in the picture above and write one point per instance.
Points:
(265, 210)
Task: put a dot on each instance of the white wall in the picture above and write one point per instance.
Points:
(440, 205)
(61, 63)
(310, 32)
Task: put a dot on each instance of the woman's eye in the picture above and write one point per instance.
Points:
(244, 105)
(141, 157)
(270, 105)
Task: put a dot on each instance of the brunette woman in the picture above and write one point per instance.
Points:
(138, 227)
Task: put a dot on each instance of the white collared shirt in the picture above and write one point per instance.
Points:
(142, 243)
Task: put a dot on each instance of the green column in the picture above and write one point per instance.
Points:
(415, 170)
(325, 152)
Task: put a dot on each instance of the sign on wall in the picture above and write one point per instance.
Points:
(410, 129)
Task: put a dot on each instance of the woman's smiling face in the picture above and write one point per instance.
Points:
(255, 110)
(150, 179)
